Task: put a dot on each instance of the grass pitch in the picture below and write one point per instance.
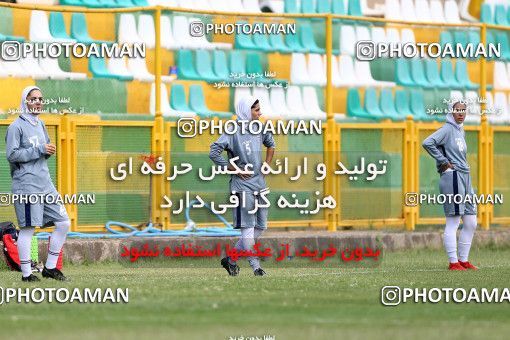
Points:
(288, 303)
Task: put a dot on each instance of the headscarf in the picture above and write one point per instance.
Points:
(32, 118)
(449, 116)
(243, 108)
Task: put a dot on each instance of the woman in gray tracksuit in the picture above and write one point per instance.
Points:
(247, 146)
(28, 147)
(448, 147)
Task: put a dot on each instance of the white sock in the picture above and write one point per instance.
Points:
(450, 237)
(25, 250)
(247, 235)
(58, 237)
(239, 245)
(257, 233)
(466, 236)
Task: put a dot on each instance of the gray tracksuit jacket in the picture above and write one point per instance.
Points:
(26, 153)
(448, 144)
(245, 145)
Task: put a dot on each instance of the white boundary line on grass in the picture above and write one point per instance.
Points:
(388, 271)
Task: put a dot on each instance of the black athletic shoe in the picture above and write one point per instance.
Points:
(30, 278)
(259, 272)
(232, 269)
(53, 274)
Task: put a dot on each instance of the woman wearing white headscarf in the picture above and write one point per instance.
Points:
(247, 147)
(27, 149)
(448, 147)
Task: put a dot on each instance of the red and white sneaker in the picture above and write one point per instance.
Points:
(456, 266)
(468, 265)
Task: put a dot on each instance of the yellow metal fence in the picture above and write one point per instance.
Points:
(406, 135)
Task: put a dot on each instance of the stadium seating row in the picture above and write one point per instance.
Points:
(497, 106)
(49, 68)
(348, 7)
(291, 103)
(498, 14)
(386, 105)
(295, 102)
(345, 71)
(200, 66)
(178, 106)
(423, 11)
(406, 102)
(54, 30)
(425, 73)
(29, 67)
(104, 3)
(350, 34)
(243, 6)
(175, 34)
(302, 41)
(501, 75)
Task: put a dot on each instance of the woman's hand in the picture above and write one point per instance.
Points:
(243, 176)
(445, 166)
(50, 149)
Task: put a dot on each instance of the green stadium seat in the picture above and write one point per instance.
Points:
(403, 73)
(372, 104)
(204, 67)
(432, 73)
(244, 41)
(417, 106)
(98, 3)
(462, 75)
(58, 26)
(237, 64)
(491, 39)
(473, 37)
(71, 2)
(261, 41)
(140, 3)
(220, 66)
(354, 107)
(292, 41)
(97, 66)
(446, 37)
(337, 7)
(486, 14)
(10, 38)
(307, 39)
(354, 8)
(460, 37)
(254, 65)
(502, 39)
(79, 30)
(402, 103)
(198, 105)
(186, 65)
(418, 73)
(500, 17)
(388, 104)
(178, 98)
(291, 6)
(324, 6)
(278, 44)
(125, 3)
(307, 6)
(447, 74)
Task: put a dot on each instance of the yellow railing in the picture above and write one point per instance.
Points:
(67, 167)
